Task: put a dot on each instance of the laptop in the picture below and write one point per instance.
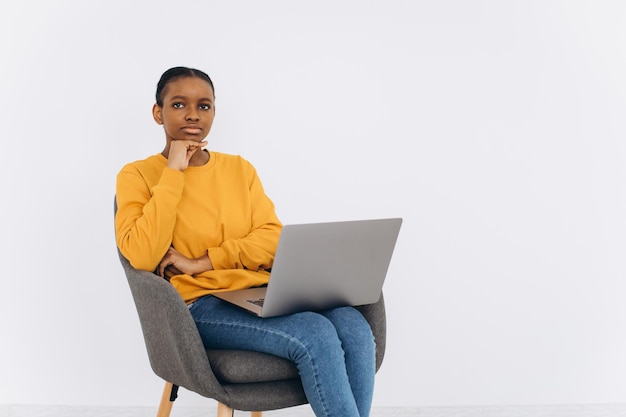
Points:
(323, 265)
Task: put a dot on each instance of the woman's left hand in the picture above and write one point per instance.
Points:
(175, 263)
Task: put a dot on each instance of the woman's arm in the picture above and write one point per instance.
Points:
(148, 195)
(146, 213)
(256, 250)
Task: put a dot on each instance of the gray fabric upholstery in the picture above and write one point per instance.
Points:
(377, 318)
(233, 367)
(265, 396)
(242, 380)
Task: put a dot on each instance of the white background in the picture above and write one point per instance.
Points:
(494, 128)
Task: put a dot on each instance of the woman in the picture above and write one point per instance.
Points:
(202, 220)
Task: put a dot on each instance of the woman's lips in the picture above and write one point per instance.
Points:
(192, 130)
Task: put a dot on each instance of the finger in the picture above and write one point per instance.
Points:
(162, 266)
(199, 145)
(168, 275)
(191, 145)
(174, 270)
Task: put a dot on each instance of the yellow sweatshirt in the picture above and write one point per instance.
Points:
(219, 208)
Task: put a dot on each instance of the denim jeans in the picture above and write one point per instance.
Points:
(334, 350)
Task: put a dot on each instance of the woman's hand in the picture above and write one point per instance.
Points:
(174, 263)
(181, 151)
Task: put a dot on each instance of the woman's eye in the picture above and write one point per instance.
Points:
(205, 106)
(178, 105)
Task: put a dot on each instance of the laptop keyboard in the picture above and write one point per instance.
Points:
(256, 301)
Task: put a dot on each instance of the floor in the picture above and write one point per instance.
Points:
(600, 410)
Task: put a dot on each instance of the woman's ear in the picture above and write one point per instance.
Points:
(156, 113)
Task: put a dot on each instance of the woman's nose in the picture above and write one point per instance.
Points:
(192, 115)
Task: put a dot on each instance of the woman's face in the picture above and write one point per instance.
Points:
(188, 109)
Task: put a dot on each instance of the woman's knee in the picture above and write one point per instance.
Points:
(351, 325)
(314, 326)
(314, 335)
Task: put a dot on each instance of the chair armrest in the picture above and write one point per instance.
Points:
(376, 316)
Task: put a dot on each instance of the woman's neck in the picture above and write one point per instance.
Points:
(199, 158)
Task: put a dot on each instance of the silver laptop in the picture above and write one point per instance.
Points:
(323, 265)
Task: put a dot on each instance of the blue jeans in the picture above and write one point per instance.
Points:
(334, 350)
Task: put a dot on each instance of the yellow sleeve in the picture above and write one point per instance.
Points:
(256, 250)
(147, 201)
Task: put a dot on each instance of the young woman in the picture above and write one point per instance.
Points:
(202, 220)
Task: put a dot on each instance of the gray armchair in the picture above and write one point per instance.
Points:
(241, 380)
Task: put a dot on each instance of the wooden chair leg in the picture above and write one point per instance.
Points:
(165, 408)
(224, 411)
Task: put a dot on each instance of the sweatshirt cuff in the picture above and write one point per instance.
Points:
(219, 258)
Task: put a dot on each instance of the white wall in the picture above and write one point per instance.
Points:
(495, 128)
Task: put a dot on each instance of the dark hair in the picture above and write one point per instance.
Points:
(175, 73)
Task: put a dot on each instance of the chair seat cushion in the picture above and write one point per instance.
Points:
(244, 366)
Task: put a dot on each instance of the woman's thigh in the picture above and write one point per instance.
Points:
(224, 326)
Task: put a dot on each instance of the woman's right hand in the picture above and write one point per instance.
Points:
(181, 151)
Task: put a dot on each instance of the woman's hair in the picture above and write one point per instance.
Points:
(175, 73)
